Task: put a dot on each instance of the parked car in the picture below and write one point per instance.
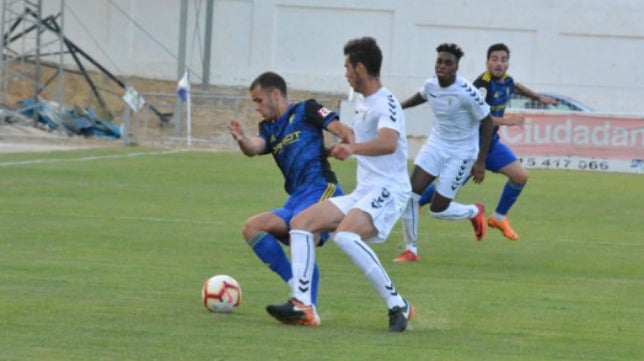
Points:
(518, 102)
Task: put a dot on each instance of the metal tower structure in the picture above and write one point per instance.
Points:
(37, 57)
(35, 51)
(25, 44)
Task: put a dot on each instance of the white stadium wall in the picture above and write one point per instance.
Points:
(590, 50)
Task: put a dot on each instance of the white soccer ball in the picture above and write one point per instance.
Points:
(221, 294)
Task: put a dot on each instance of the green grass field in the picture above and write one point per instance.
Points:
(104, 258)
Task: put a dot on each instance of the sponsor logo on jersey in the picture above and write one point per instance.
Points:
(289, 139)
(324, 112)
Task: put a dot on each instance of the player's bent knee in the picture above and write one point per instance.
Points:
(521, 179)
(517, 175)
(250, 230)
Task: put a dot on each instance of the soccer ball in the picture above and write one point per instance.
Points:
(221, 294)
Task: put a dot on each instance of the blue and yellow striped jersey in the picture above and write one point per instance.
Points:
(497, 92)
(296, 141)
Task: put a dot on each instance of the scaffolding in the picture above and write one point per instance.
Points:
(25, 43)
(40, 63)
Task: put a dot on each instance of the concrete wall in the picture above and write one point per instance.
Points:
(591, 50)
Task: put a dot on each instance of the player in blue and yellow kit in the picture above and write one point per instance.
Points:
(293, 134)
(497, 88)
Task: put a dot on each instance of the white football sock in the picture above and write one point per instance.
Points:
(410, 223)
(499, 217)
(367, 260)
(457, 211)
(302, 263)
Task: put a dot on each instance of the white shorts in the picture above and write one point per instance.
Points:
(385, 205)
(451, 170)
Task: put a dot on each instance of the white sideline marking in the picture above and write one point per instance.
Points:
(145, 219)
(86, 159)
(123, 218)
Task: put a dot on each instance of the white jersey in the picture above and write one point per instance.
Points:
(381, 110)
(458, 110)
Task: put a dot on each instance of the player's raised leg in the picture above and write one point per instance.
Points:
(259, 232)
(517, 179)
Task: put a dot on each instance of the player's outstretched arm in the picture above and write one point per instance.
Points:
(413, 101)
(385, 143)
(525, 91)
(249, 146)
(342, 131)
(509, 120)
(485, 138)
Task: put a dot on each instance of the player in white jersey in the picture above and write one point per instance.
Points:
(369, 212)
(453, 148)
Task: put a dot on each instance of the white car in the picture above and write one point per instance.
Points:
(519, 102)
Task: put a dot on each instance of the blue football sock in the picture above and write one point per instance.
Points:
(510, 194)
(269, 251)
(427, 195)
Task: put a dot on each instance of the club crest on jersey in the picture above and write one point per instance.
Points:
(324, 112)
(483, 92)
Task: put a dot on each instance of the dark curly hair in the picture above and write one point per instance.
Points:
(452, 49)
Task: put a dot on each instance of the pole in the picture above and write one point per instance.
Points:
(205, 83)
(61, 49)
(181, 66)
(38, 45)
(3, 80)
(188, 117)
(125, 130)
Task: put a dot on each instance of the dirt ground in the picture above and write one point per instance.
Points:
(23, 136)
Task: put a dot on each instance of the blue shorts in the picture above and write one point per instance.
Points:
(304, 198)
(499, 156)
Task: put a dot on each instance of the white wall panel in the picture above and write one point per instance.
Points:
(311, 39)
(606, 59)
(234, 21)
(588, 49)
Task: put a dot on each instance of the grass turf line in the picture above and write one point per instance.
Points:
(104, 260)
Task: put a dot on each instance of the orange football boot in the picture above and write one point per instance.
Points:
(505, 228)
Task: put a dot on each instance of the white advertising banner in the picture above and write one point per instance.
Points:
(578, 142)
